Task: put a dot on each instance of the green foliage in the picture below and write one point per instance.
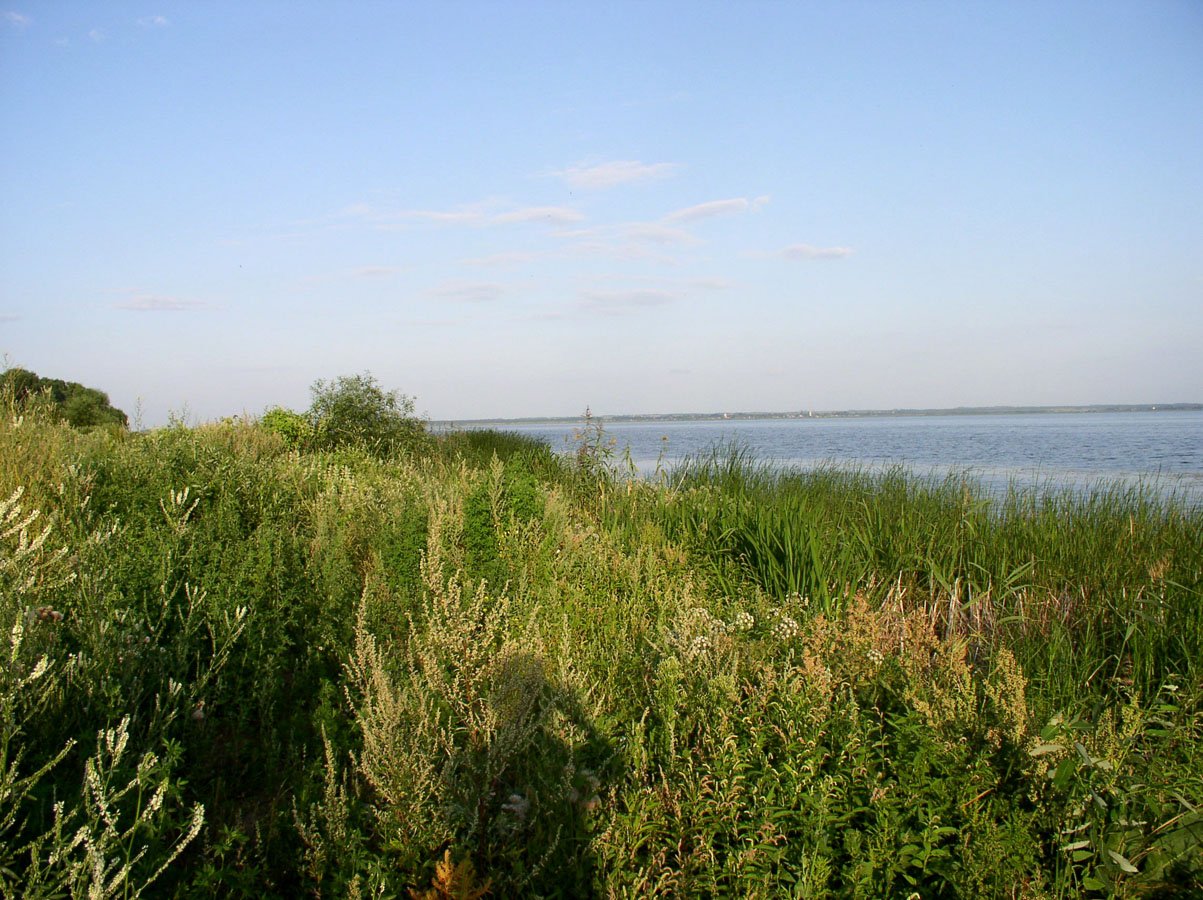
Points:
(477, 447)
(354, 410)
(297, 432)
(79, 406)
(470, 665)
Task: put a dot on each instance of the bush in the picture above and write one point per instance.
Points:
(356, 410)
(295, 430)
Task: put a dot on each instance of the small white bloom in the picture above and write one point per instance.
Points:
(517, 805)
(744, 621)
(785, 629)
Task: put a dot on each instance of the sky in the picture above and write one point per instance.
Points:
(509, 209)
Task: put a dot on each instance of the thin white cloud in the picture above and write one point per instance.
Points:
(365, 272)
(657, 234)
(715, 208)
(806, 252)
(8, 317)
(152, 21)
(16, 19)
(611, 174)
(709, 284)
(630, 240)
(96, 35)
(620, 251)
(467, 291)
(627, 301)
(462, 217)
(161, 303)
(551, 215)
(352, 209)
(675, 285)
(500, 260)
(475, 216)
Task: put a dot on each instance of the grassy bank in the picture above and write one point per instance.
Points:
(237, 669)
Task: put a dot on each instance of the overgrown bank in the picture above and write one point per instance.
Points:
(240, 669)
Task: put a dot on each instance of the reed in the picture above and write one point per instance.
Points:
(469, 668)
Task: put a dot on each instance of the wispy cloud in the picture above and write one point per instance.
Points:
(453, 217)
(709, 284)
(715, 208)
(619, 250)
(362, 272)
(656, 233)
(551, 215)
(477, 215)
(152, 21)
(162, 303)
(16, 19)
(611, 174)
(626, 241)
(468, 291)
(500, 260)
(96, 35)
(806, 252)
(8, 317)
(674, 285)
(627, 301)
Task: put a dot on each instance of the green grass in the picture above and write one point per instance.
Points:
(233, 669)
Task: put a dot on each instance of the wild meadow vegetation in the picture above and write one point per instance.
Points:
(330, 654)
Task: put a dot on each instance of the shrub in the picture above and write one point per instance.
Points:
(296, 431)
(355, 409)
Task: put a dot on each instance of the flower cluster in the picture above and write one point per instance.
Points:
(785, 628)
(703, 620)
(743, 621)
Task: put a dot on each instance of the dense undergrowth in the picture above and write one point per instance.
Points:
(470, 668)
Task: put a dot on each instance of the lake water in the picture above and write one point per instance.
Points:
(1163, 450)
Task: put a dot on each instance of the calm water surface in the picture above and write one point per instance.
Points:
(1163, 450)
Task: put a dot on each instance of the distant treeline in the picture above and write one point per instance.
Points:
(850, 413)
(81, 406)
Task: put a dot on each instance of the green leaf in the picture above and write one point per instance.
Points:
(1123, 862)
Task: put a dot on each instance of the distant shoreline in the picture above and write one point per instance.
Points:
(834, 414)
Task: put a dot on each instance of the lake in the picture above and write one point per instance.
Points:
(1163, 450)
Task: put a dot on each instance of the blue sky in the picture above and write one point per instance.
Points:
(509, 209)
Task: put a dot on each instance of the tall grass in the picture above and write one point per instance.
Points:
(1105, 584)
(473, 669)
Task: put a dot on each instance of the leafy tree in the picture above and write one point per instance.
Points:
(355, 409)
(81, 406)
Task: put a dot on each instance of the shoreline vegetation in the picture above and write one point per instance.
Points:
(835, 414)
(337, 654)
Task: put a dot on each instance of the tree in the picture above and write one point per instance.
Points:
(83, 407)
(355, 409)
